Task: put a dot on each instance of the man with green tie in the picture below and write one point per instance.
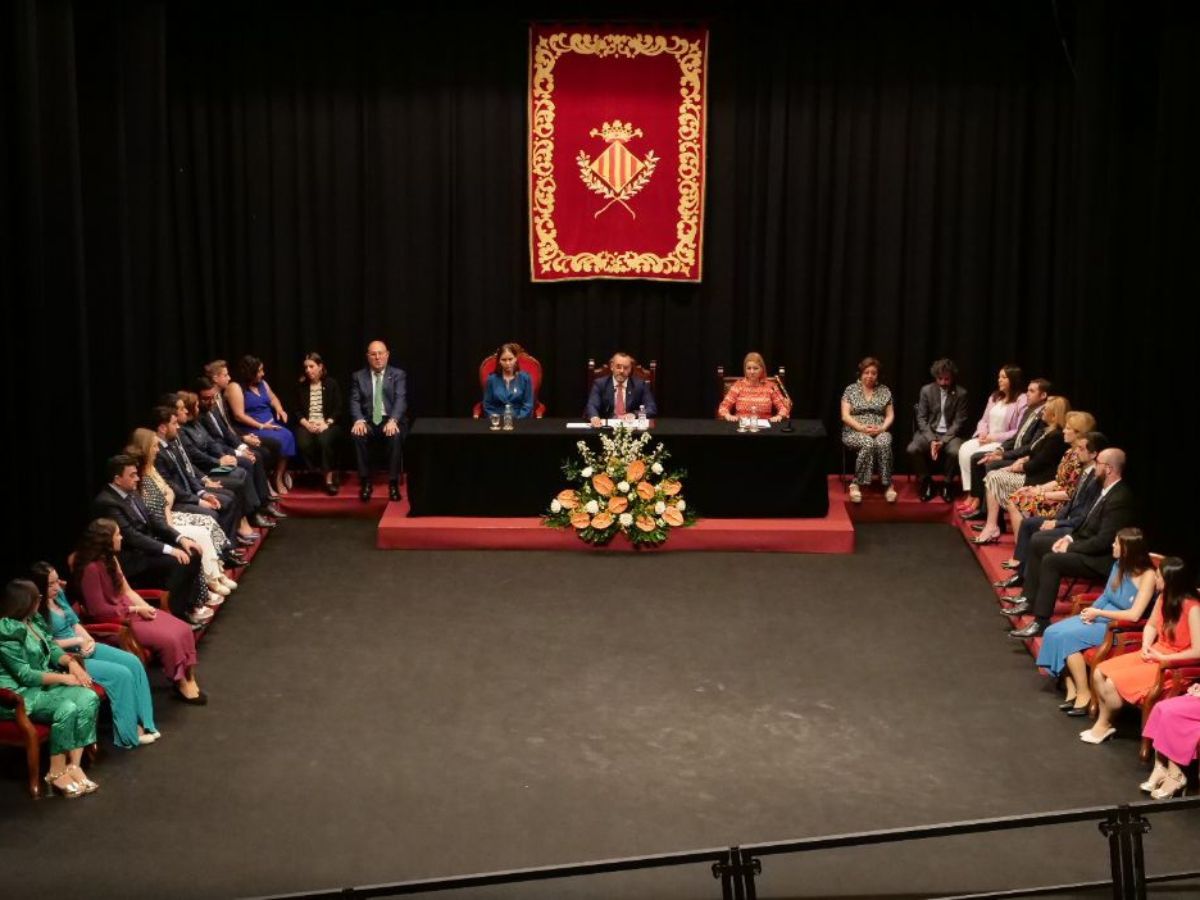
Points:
(378, 404)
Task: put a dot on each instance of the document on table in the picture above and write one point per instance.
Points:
(579, 424)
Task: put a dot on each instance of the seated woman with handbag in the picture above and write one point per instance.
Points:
(1171, 635)
(509, 386)
(54, 685)
(1127, 595)
(120, 673)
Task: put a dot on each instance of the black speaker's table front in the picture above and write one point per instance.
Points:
(459, 467)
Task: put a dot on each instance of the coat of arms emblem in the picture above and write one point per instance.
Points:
(617, 174)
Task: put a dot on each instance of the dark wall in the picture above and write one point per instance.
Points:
(991, 182)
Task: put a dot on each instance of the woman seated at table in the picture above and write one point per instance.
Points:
(54, 685)
(867, 414)
(1127, 595)
(1048, 499)
(508, 386)
(256, 410)
(1174, 727)
(1039, 466)
(1171, 635)
(754, 394)
(120, 673)
(108, 597)
(997, 424)
(319, 411)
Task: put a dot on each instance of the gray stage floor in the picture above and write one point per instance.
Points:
(378, 716)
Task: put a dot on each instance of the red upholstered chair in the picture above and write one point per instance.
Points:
(525, 363)
(22, 732)
(1174, 678)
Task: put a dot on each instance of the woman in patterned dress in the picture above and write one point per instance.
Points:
(1048, 499)
(754, 394)
(867, 414)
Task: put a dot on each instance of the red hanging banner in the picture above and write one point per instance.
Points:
(617, 121)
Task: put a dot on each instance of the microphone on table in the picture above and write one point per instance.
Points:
(787, 420)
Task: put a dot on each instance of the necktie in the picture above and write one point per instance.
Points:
(1029, 419)
(1091, 512)
(1080, 490)
(620, 405)
(377, 401)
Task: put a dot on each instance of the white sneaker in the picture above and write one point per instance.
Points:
(890, 494)
(855, 493)
(229, 583)
(200, 615)
(217, 586)
(148, 737)
(214, 600)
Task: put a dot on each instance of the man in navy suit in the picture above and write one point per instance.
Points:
(620, 395)
(378, 403)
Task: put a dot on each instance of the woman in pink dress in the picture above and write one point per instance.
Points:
(1171, 635)
(108, 597)
(1174, 726)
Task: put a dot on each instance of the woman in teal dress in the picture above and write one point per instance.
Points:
(55, 687)
(121, 674)
(1127, 595)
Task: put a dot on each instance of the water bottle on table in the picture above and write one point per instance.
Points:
(508, 417)
(642, 422)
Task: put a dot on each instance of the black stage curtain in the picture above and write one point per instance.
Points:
(988, 181)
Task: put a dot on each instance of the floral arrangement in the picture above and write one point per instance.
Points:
(622, 489)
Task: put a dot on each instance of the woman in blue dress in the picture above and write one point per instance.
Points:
(1126, 597)
(256, 410)
(121, 674)
(508, 385)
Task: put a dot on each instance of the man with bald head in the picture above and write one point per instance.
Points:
(1084, 553)
(378, 403)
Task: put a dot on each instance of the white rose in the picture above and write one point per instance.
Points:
(555, 506)
(626, 520)
(587, 473)
(592, 507)
(623, 487)
(681, 506)
(657, 468)
(660, 522)
(660, 508)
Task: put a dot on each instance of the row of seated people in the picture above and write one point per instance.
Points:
(183, 503)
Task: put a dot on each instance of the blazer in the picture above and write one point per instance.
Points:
(1086, 493)
(139, 533)
(175, 468)
(1100, 525)
(201, 448)
(929, 410)
(220, 429)
(1010, 449)
(522, 399)
(602, 399)
(1044, 457)
(1010, 422)
(395, 395)
(332, 405)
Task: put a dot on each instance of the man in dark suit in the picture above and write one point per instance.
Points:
(1085, 552)
(230, 442)
(620, 395)
(193, 492)
(153, 555)
(941, 419)
(266, 451)
(1047, 531)
(378, 405)
(1029, 429)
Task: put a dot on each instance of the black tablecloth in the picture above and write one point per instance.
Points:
(459, 467)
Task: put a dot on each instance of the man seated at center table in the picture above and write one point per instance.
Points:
(620, 394)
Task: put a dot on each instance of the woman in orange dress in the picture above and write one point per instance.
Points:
(1171, 635)
(754, 394)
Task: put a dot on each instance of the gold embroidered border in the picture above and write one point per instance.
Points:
(548, 255)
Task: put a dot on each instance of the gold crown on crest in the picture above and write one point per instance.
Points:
(616, 131)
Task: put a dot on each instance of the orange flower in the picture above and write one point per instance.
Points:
(671, 488)
(645, 523)
(568, 498)
(602, 521)
(580, 519)
(645, 490)
(636, 470)
(603, 484)
(673, 517)
(617, 505)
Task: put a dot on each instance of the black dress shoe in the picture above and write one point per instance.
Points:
(979, 513)
(233, 557)
(1067, 704)
(364, 492)
(393, 490)
(1016, 611)
(200, 699)
(1014, 581)
(926, 491)
(1008, 564)
(948, 492)
(273, 511)
(1076, 712)
(258, 520)
(1032, 630)
(331, 489)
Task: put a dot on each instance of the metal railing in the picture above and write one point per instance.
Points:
(738, 866)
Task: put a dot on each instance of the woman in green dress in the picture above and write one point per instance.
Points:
(32, 665)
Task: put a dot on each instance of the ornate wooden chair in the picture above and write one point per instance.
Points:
(526, 362)
(648, 374)
(725, 382)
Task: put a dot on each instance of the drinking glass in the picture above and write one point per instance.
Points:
(494, 419)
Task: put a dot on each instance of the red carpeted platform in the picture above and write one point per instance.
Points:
(307, 499)
(907, 508)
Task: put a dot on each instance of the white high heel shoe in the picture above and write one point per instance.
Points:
(1152, 783)
(217, 586)
(229, 583)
